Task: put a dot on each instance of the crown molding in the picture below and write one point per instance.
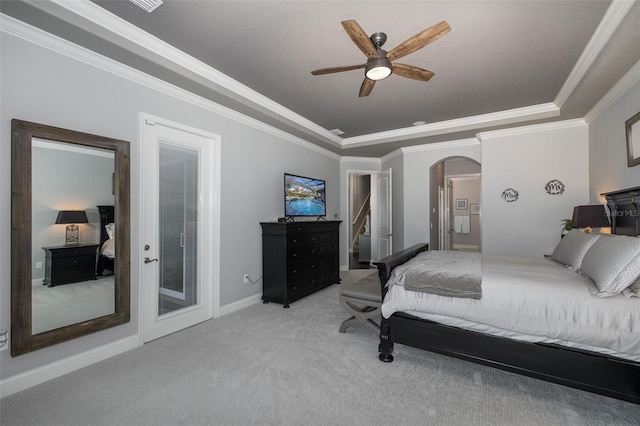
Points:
(93, 18)
(51, 42)
(630, 79)
(440, 145)
(610, 22)
(164, 52)
(512, 116)
(535, 128)
(368, 160)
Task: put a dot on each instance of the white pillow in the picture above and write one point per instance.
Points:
(571, 249)
(613, 263)
(111, 230)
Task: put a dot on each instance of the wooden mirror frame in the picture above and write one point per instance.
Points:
(22, 339)
(633, 157)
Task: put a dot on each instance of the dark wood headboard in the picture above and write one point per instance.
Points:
(107, 216)
(624, 206)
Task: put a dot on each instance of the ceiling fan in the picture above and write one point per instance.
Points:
(378, 65)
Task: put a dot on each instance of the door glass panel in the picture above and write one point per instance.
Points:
(178, 226)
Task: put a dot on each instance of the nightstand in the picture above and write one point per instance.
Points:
(70, 264)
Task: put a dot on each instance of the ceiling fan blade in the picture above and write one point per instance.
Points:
(367, 87)
(413, 72)
(336, 69)
(360, 38)
(419, 41)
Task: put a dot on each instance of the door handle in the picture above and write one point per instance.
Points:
(147, 260)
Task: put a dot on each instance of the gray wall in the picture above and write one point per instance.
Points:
(412, 213)
(608, 169)
(526, 159)
(470, 191)
(66, 180)
(72, 94)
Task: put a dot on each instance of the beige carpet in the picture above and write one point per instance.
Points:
(265, 365)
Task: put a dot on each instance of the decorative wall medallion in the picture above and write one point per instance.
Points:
(554, 187)
(510, 195)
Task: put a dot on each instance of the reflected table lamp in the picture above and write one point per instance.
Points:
(71, 218)
(592, 216)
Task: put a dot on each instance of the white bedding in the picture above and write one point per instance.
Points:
(534, 300)
(109, 248)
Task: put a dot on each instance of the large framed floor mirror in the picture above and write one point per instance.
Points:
(70, 235)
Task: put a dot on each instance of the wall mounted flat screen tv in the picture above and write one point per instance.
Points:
(304, 196)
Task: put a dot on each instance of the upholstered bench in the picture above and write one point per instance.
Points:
(362, 299)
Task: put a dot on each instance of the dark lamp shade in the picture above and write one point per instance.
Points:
(594, 216)
(71, 216)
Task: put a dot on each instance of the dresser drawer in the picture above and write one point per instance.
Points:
(73, 274)
(298, 270)
(72, 262)
(74, 252)
(301, 287)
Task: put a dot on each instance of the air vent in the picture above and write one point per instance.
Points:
(337, 132)
(148, 5)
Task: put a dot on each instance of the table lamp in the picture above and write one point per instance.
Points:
(592, 216)
(71, 218)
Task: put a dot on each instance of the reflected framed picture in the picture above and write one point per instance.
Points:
(475, 208)
(461, 204)
(632, 127)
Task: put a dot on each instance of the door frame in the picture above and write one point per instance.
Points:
(377, 206)
(212, 244)
(349, 213)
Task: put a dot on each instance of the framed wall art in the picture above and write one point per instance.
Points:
(632, 127)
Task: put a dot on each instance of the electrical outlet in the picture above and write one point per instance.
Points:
(245, 278)
(38, 265)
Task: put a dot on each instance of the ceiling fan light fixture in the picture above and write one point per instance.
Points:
(378, 68)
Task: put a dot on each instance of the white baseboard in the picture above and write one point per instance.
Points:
(44, 373)
(232, 307)
(465, 246)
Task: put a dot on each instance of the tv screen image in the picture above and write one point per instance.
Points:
(304, 196)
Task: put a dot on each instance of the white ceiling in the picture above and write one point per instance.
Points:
(504, 63)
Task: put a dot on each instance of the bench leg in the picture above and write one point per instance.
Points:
(361, 314)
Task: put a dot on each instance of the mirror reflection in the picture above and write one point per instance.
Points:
(70, 203)
(73, 244)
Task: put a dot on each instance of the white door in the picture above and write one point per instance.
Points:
(381, 218)
(179, 223)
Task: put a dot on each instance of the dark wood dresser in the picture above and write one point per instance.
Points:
(70, 264)
(298, 258)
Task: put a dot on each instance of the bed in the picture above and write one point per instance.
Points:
(106, 255)
(609, 366)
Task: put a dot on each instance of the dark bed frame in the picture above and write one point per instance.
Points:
(107, 216)
(601, 374)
